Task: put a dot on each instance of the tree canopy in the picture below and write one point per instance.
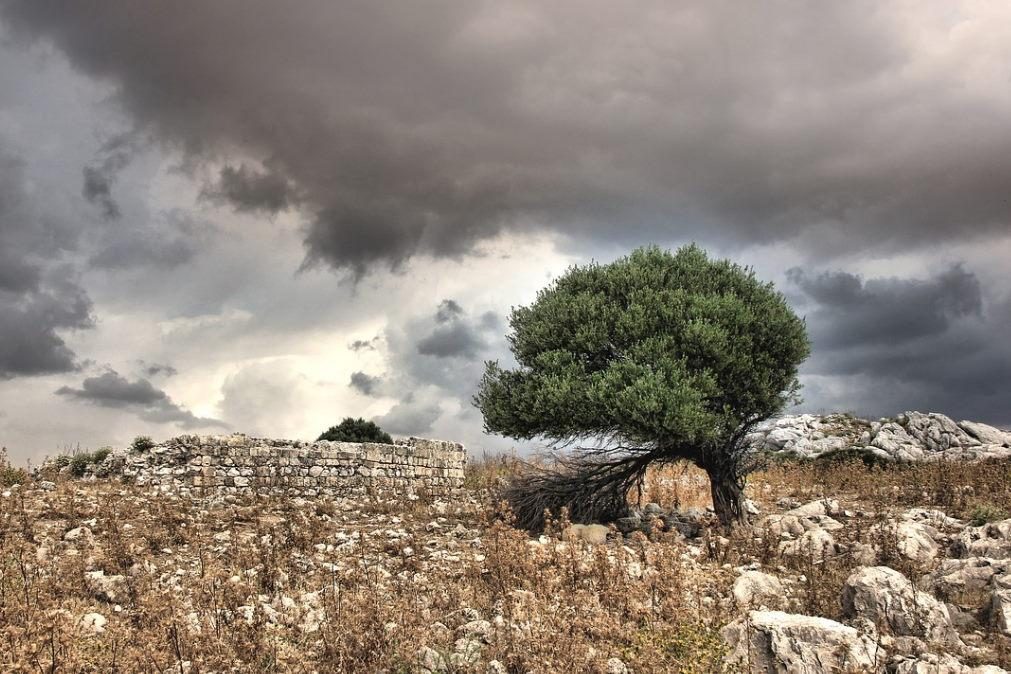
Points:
(657, 356)
(356, 430)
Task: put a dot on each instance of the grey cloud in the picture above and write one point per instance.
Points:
(365, 383)
(887, 310)
(364, 344)
(447, 311)
(611, 123)
(39, 298)
(443, 366)
(249, 190)
(112, 390)
(458, 340)
(410, 416)
(156, 369)
(169, 240)
(889, 344)
(99, 177)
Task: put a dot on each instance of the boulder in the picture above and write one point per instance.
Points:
(1000, 610)
(943, 663)
(987, 435)
(815, 544)
(820, 508)
(965, 582)
(990, 540)
(757, 589)
(112, 589)
(887, 598)
(94, 622)
(777, 642)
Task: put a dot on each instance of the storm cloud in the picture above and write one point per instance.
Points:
(365, 384)
(111, 389)
(909, 343)
(40, 299)
(432, 128)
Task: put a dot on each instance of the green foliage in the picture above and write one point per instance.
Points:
(141, 443)
(656, 347)
(10, 475)
(79, 462)
(667, 355)
(689, 647)
(984, 513)
(356, 430)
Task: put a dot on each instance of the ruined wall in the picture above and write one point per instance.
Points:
(237, 464)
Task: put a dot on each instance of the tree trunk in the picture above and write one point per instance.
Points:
(728, 498)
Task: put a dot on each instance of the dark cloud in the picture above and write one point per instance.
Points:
(839, 128)
(39, 298)
(99, 177)
(457, 340)
(885, 345)
(440, 370)
(888, 310)
(365, 384)
(112, 390)
(249, 190)
(410, 416)
(156, 369)
(447, 311)
(364, 344)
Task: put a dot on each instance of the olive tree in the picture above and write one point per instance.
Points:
(654, 358)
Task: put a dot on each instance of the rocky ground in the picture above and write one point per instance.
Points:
(846, 568)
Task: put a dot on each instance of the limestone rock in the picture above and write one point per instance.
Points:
(777, 642)
(885, 597)
(756, 589)
(1000, 610)
(990, 540)
(965, 582)
(112, 589)
(945, 663)
(94, 622)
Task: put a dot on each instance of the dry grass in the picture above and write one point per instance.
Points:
(344, 586)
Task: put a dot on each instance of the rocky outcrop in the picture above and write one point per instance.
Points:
(911, 436)
(777, 642)
(883, 596)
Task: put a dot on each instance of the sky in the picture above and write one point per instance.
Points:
(261, 217)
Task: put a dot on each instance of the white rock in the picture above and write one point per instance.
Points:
(615, 666)
(884, 596)
(1000, 610)
(431, 661)
(773, 641)
(944, 663)
(754, 589)
(990, 540)
(77, 534)
(112, 589)
(94, 622)
(988, 435)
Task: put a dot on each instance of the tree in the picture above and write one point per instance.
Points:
(356, 430)
(654, 358)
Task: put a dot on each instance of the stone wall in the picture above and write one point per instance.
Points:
(237, 464)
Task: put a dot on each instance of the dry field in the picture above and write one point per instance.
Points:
(99, 576)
